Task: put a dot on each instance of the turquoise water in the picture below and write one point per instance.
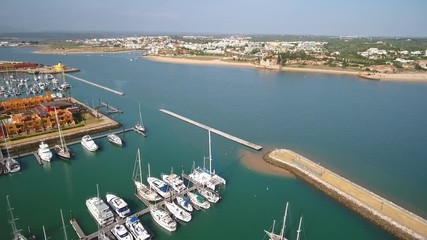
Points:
(373, 133)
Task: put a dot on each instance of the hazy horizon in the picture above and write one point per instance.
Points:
(381, 18)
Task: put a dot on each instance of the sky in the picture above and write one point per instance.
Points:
(284, 17)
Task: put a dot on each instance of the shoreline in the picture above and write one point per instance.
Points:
(394, 77)
(392, 218)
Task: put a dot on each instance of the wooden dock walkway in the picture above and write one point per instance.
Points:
(388, 215)
(95, 84)
(226, 135)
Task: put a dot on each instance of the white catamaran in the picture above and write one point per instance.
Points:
(207, 177)
(142, 190)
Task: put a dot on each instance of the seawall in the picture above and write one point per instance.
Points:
(389, 216)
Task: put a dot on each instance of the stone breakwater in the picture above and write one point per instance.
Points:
(389, 216)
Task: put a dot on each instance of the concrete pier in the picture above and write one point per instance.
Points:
(226, 135)
(95, 84)
(389, 216)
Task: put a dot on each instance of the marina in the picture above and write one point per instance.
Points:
(161, 204)
(226, 135)
(246, 104)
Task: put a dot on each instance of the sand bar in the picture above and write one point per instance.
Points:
(391, 217)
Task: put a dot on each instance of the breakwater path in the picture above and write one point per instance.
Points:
(221, 133)
(391, 217)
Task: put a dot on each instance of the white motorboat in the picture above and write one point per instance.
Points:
(210, 195)
(139, 126)
(159, 186)
(118, 205)
(207, 177)
(198, 200)
(61, 150)
(12, 166)
(44, 152)
(174, 181)
(121, 233)
(88, 143)
(100, 211)
(142, 190)
(136, 229)
(162, 218)
(178, 212)
(114, 139)
(184, 203)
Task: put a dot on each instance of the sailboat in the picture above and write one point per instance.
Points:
(139, 127)
(281, 235)
(61, 150)
(11, 165)
(16, 233)
(207, 177)
(142, 190)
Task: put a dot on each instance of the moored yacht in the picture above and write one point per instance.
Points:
(114, 139)
(178, 212)
(100, 211)
(142, 190)
(162, 218)
(61, 150)
(118, 205)
(210, 195)
(159, 186)
(139, 127)
(44, 152)
(207, 177)
(136, 229)
(198, 200)
(88, 143)
(121, 233)
(174, 181)
(12, 166)
(184, 203)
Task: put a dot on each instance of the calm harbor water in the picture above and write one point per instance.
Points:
(374, 133)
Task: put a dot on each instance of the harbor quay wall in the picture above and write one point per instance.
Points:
(31, 144)
(387, 215)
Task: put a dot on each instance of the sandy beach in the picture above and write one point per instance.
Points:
(398, 77)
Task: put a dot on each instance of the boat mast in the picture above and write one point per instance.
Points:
(44, 233)
(140, 116)
(63, 225)
(140, 168)
(12, 220)
(5, 142)
(210, 153)
(274, 223)
(149, 172)
(59, 129)
(282, 232)
(299, 228)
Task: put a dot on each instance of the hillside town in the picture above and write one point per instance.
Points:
(368, 55)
